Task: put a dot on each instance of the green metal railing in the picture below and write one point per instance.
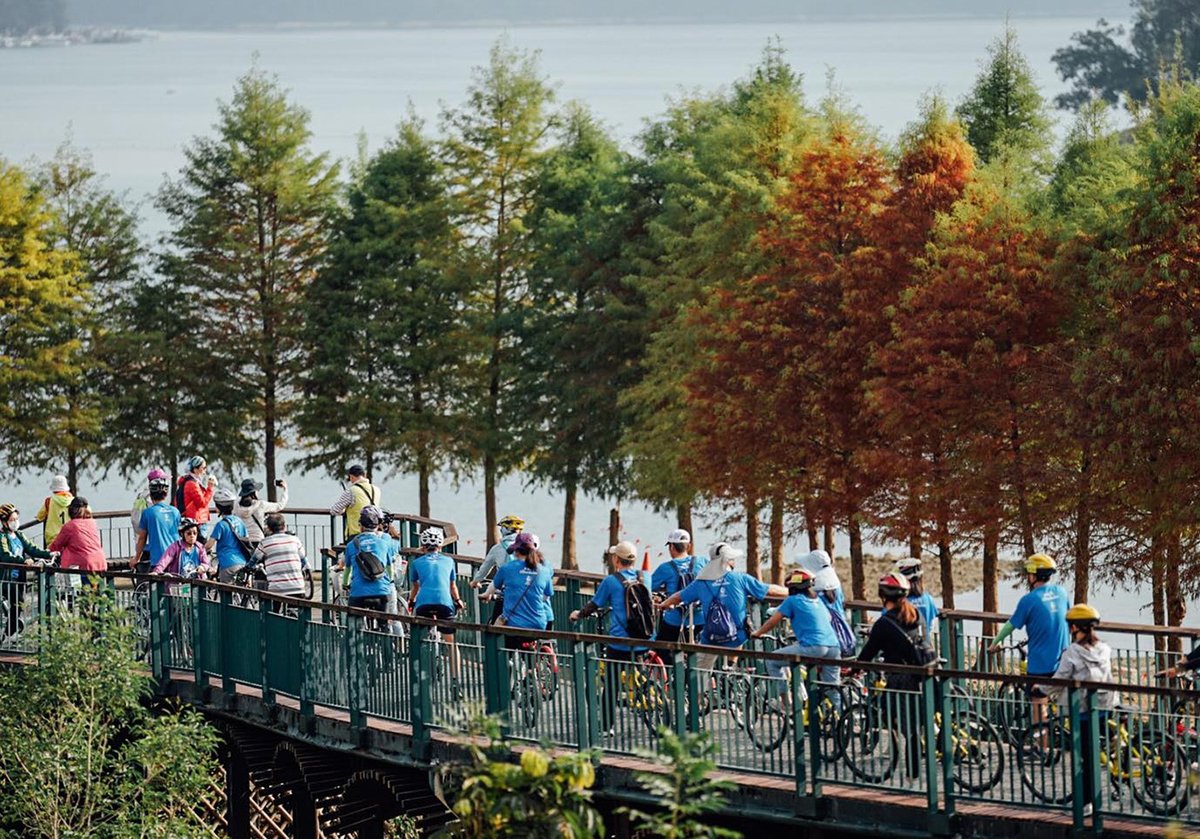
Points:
(958, 736)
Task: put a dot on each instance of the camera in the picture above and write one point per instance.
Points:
(279, 482)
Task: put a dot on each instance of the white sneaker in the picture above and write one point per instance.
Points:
(1087, 811)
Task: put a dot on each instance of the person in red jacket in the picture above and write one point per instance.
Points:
(79, 540)
(197, 488)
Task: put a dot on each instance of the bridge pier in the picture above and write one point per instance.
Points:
(237, 794)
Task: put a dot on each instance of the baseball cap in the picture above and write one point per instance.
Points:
(623, 550)
(356, 470)
(679, 537)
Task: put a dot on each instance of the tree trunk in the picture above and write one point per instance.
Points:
(858, 576)
(1083, 525)
(1023, 511)
(614, 525)
(683, 519)
(828, 535)
(913, 521)
(991, 567)
(752, 564)
(73, 472)
(423, 487)
(1175, 606)
(942, 528)
(269, 417)
(810, 523)
(1157, 580)
(569, 561)
(777, 540)
(489, 497)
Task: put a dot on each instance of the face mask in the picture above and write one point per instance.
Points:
(14, 524)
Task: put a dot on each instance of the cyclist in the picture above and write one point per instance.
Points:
(813, 629)
(226, 537)
(282, 558)
(142, 500)
(526, 586)
(899, 636)
(719, 583)
(366, 593)
(433, 593)
(672, 576)
(184, 557)
(497, 555)
(15, 548)
(825, 579)
(1087, 659)
(610, 594)
(910, 568)
(354, 498)
(1042, 614)
(78, 541)
(158, 526)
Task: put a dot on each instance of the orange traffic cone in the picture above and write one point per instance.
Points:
(646, 560)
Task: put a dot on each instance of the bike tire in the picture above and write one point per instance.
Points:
(525, 703)
(1157, 772)
(652, 706)
(1044, 753)
(870, 752)
(767, 722)
(546, 670)
(978, 752)
(1013, 714)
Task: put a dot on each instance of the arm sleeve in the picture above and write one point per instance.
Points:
(276, 506)
(29, 549)
(603, 596)
(874, 644)
(690, 592)
(168, 556)
(342, 503)
(489, 562)
(1004, 632)
(1193, 659)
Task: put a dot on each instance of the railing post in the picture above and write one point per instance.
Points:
(304, 616)
(592, 676)
(325, 581)
(945, 699)
(228, 687)
(157, 658)
(1077, 768)
(198, 626)
(679, 689)
(420, 700)
(956, 652)
(693, 684)
(928, 699)
(798, 734)
(813, 732)
(583, 728)
(264, 611)
(495, 674)
(355, 661)
(1096, 736)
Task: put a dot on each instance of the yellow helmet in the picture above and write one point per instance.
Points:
(511, 522)
(1083, 613)
(1041, 565)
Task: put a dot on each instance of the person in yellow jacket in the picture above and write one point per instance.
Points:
(54, 509)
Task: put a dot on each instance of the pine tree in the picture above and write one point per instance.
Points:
(384, 316)
(41, 289)
(1004, 113)
(249, 216)
(495, 143)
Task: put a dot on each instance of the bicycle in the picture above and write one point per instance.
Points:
(869, 736)
(529, 685)
(1149, 762)
(642, 687)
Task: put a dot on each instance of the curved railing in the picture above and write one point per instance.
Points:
(975, 743)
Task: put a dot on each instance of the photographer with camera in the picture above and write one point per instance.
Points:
(253, 511)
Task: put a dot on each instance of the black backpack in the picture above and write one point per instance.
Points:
(179, 492)
(639, 613)
(685, 578)
(369, 565)
(923, 653)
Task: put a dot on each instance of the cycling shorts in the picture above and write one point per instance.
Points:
(1037, 691)
(378, 602)
(444, 615)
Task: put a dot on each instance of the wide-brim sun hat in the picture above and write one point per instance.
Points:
(249, 487)
(59, 484)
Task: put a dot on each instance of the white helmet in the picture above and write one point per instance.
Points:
(432, 537)
(910, 567)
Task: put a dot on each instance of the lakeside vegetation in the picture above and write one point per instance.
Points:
(964, 342)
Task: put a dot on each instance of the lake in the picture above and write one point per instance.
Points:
(136, 106)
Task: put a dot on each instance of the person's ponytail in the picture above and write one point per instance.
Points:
(906, 613)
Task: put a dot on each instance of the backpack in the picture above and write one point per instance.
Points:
(639, 613)
(685, 578)
(841, 628)
(719, 625)
(369, 565)
(178, 500)
(923, 652)
(243, 544)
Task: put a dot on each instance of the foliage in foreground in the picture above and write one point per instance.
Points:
(539, 796)
(686, 788)
(80, 755)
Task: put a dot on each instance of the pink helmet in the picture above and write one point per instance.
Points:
(525, 541)
(157, 474)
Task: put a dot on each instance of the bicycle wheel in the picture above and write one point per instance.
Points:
(1156, 769)
(545, 666)
(736, 696)
(649, 700)
(525, 703)
(1012, 712)
(978, 752)
(767, 721)
(869, 751)
(828, 719)
(1044, 761)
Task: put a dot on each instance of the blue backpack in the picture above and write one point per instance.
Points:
(841, 628)
(719, 625)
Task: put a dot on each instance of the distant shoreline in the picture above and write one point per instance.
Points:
(75, 37)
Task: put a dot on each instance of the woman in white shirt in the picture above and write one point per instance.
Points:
(253, 512)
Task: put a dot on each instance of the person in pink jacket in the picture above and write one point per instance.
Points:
(79, 539)
(187, 556)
